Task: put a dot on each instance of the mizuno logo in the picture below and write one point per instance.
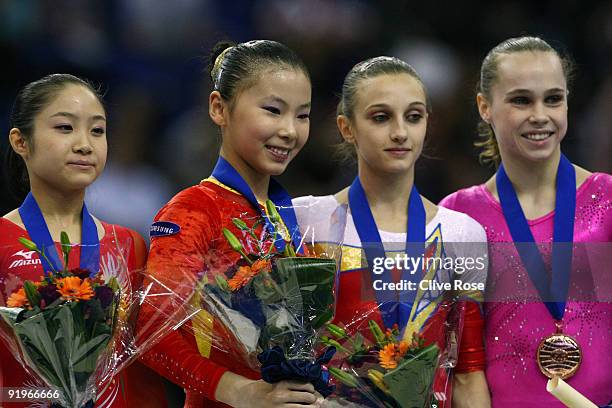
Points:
(26, 259)
(25, 254)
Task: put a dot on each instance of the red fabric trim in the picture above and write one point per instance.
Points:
(471, 350)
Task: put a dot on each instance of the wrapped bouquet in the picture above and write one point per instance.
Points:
(68, 326)
(387, 372)
(268, 307)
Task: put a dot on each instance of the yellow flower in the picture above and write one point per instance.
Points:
(72, 288)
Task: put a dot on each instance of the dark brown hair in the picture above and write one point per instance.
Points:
(234, 67)
(367, 69)
(30, 101)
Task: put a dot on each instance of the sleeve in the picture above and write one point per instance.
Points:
(471, 349)
(303, 207)
(175, 260)
(322, 223)
(449, 201)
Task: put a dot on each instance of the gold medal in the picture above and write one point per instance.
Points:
(559, 355)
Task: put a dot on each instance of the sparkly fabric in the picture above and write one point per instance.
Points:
(185, 357)
(514, 328)
(16, 264)
(323, 223)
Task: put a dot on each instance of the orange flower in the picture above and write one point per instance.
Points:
(261, 264)
(391, 354)
(403, 348)
(387, 356)
(18, 299)
(241, 278)
(72, 288)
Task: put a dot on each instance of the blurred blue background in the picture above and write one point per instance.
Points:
(149, 57)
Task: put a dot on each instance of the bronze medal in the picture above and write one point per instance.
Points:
(559, 355)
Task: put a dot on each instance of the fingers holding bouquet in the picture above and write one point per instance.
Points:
(239, 392)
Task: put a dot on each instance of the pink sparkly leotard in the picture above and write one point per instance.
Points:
(515, 325)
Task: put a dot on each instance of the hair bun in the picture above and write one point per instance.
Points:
(216, 51)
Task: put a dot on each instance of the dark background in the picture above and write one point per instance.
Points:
(149, 57)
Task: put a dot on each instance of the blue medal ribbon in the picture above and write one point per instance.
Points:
(36, 226)
(395, 307)
(227, 174)
(553, 292)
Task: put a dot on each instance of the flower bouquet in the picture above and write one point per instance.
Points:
(268, 307)
(61, 327)
(386, 373)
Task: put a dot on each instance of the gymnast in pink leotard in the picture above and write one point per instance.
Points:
(522, 100)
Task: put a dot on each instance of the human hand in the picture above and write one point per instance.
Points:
(241, 392)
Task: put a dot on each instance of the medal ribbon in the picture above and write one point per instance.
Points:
(36, 226)
(227, 174)
(394, 307)
(553, 294)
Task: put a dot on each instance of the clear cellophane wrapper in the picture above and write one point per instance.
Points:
(408, 366)
(239, 309)
(379, 367)
(72, 330)
(245, 299)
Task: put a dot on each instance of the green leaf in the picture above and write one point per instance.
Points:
(31, 293)
(235, 244)
(113, 284)
(232, 240)
(379, 336)
(337, 331)
(410, 382)
(66, 247)
(241, 225)
(273, 214)
(64, 238)
(358, 342)
(81, 352)
(35, 336)
(222, 283)
(344, 377)
(28, 244)
(307, 285)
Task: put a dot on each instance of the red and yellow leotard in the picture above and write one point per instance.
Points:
(135, 386)
(192, 356)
